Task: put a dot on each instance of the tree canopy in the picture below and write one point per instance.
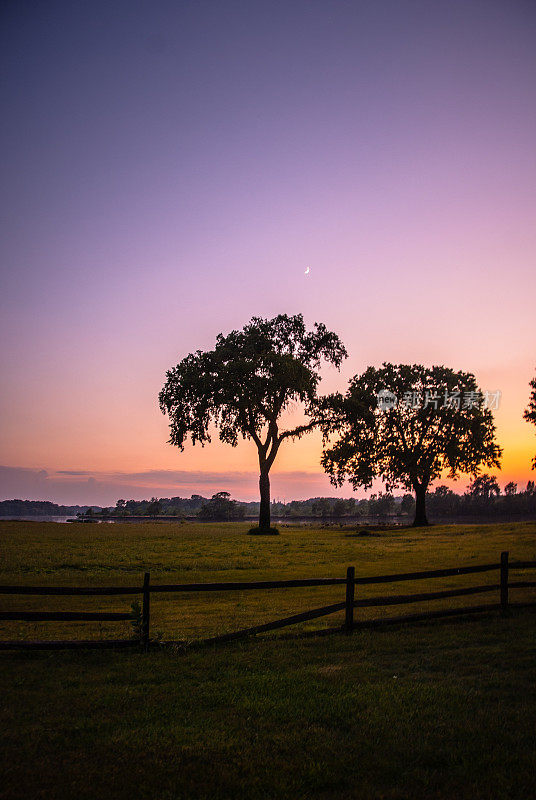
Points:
(221, 507)
(407, 424)
(485, 486)
(155, 507)
(245, 383)
(530, 411)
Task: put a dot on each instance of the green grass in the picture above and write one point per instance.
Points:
(99, 555)
(424, 711)
(437, 710)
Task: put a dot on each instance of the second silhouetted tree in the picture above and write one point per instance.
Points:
(408, 424)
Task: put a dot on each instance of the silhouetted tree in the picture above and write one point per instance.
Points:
(154, 508)
(384, 504)
(245, 383)
(530, 411)
(342, 508)
(221, 507)
(407, 424)
(510, 501)
(339, 508)
(443, 501)
(484, 486)
(322, 508)
(407, 506)
(120, 506)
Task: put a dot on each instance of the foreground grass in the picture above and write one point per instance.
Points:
(442, 710)
(424, 711)
(100, 555)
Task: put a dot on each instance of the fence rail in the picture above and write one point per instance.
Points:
(348, 605)
(66, 616)
(71, 590)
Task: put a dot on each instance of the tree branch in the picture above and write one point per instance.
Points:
(298, 431)
(253, 433)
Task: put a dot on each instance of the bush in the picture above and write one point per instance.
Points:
(263, 531)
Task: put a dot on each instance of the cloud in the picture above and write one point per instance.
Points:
(13, 479)
(169, 477)
(72, 472)
(72, 487)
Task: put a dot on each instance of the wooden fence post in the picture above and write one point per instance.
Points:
(349, 619)
(145, 618)
(504, 581)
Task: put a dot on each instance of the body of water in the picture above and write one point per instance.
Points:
(39, 518)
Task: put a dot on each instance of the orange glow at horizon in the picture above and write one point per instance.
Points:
(137, 445)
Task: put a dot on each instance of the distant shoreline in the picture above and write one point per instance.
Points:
(300, 520)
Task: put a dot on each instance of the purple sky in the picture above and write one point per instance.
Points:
(171, 168)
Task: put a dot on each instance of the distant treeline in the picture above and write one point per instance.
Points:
(483, 498)
(38, 508)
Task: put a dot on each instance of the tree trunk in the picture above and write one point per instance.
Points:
(420, 505)
(264, 513)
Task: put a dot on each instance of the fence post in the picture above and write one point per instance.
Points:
(349, 620)
(145, 611)
(504, 581)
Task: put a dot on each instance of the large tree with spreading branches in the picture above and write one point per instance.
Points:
(408, 425)
(244, 385)
(530, 411)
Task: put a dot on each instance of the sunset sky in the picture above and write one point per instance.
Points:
(170, 169)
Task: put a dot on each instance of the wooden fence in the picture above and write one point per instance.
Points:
(348, 605)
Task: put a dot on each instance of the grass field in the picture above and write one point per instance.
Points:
(118, 554)
(430, 710)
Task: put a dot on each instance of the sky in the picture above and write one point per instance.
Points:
(170, 169)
